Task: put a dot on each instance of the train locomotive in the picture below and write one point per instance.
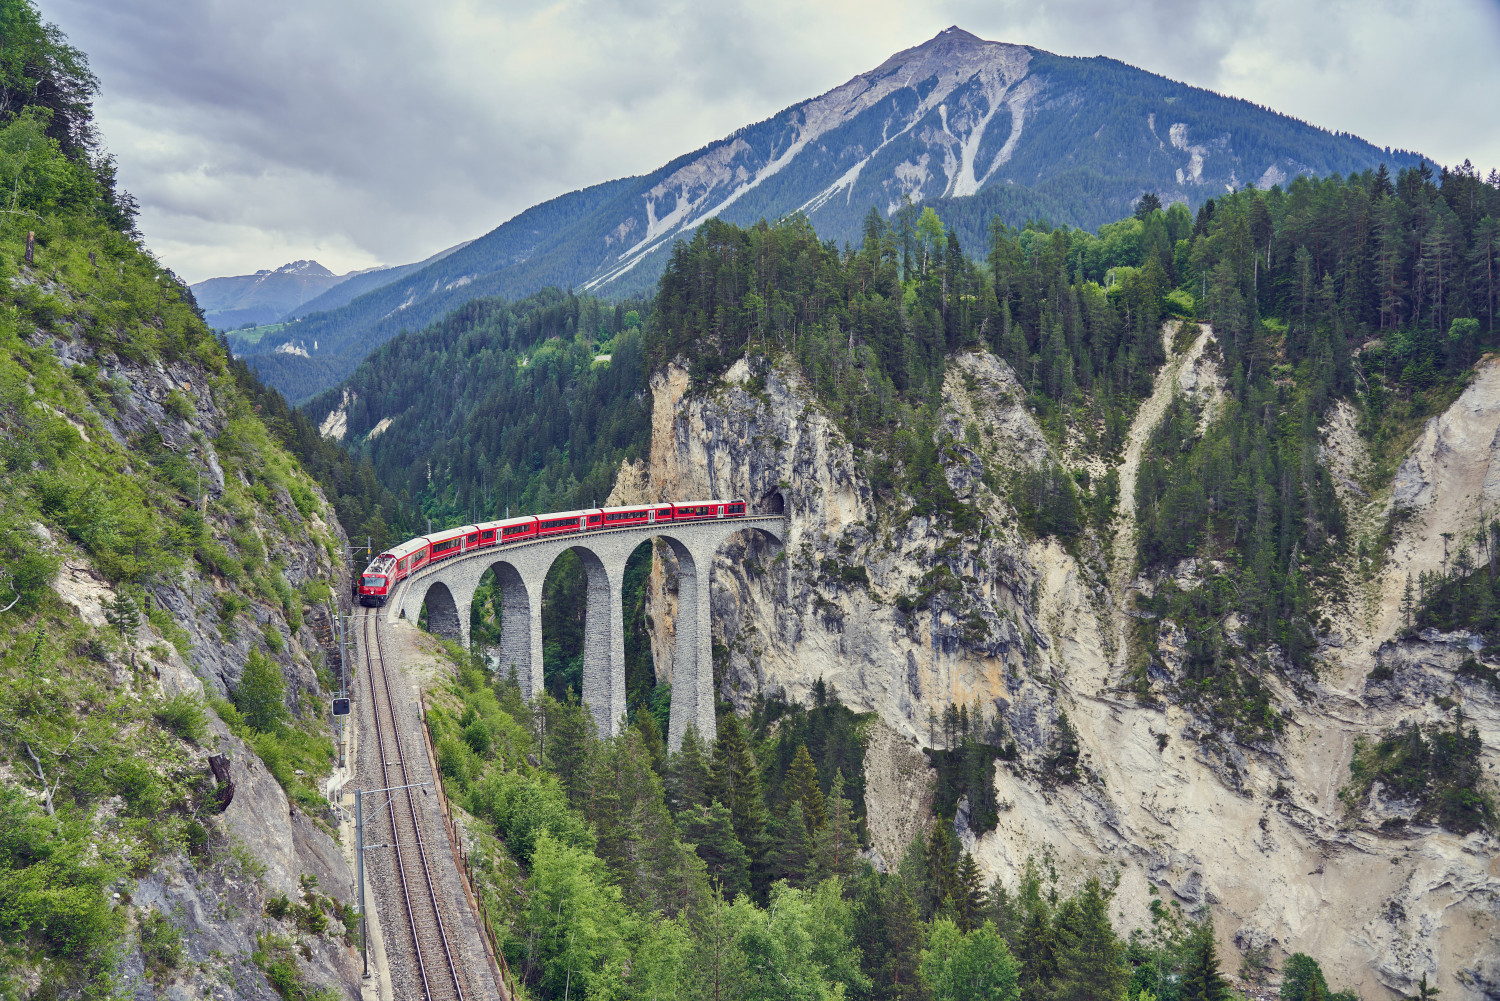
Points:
(399, 562)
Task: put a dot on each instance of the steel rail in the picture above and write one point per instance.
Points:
(373, 652)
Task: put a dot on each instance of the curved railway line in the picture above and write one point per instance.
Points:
(437, 968)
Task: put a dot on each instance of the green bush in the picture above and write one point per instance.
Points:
(179, 406)
(29, 568)
(302, 496)
(139, 786)
(53, 881)
(521, 807)
(161, 944)
(260, 694)
(183, 715)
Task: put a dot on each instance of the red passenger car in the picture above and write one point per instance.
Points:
(704, 510)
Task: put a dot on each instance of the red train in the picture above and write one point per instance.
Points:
(398, 562)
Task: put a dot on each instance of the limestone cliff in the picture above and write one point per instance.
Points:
(903, 617)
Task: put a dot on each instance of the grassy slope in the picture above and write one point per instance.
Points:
(126, 512)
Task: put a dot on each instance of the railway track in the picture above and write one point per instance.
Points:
(436, 959)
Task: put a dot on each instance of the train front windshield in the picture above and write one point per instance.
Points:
(370, 580)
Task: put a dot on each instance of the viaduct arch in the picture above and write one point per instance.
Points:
(520, 569)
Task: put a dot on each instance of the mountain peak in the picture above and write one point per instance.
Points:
(310, 269)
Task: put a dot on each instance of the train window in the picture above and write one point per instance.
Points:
(488, 535)
(370, 580)
(593, 519)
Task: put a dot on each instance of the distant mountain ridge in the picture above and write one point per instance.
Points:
(974, 128)
(263, 297)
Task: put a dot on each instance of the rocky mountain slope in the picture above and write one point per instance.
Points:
(1255, 830)
(168, 575)
(974, 127)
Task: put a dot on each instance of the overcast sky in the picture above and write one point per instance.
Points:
(364, 132)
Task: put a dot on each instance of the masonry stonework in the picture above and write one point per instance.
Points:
(448, 589)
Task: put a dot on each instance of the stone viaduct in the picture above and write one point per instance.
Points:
(448, 589)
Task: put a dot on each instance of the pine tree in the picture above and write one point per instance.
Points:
(650, 732)
(1301, 977)
(1090, 957)
(711, 830)
(1037, 951)
(942, 870)
(888, 930)
(734, 780)
(570, 746)
(1424, 992)
(716, 969)
(1201, 979)
(687, 777)
(795, 860)
(838, 840)
(970, 887)
(122, 613)
(802, 787)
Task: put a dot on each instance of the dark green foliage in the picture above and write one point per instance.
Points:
(890, 935)
(966, 769)
(803, 791)
(829, 730)
(260, 695)
(734, 780)
(792, 846)
(1302, 979)
(564, 615)
(688, 774)
(1464, 594)
(528, 422)
(1201, 978)
(1434, 767)
(711, 830)
(1090, 957)
(1061, 763)
(1046, 501)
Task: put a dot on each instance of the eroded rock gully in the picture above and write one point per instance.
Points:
(1257, 834)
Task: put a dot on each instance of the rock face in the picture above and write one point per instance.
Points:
(260, 845)
(903, 617)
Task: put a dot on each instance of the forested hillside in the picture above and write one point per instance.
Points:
(740, 871)
(1366, 288)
